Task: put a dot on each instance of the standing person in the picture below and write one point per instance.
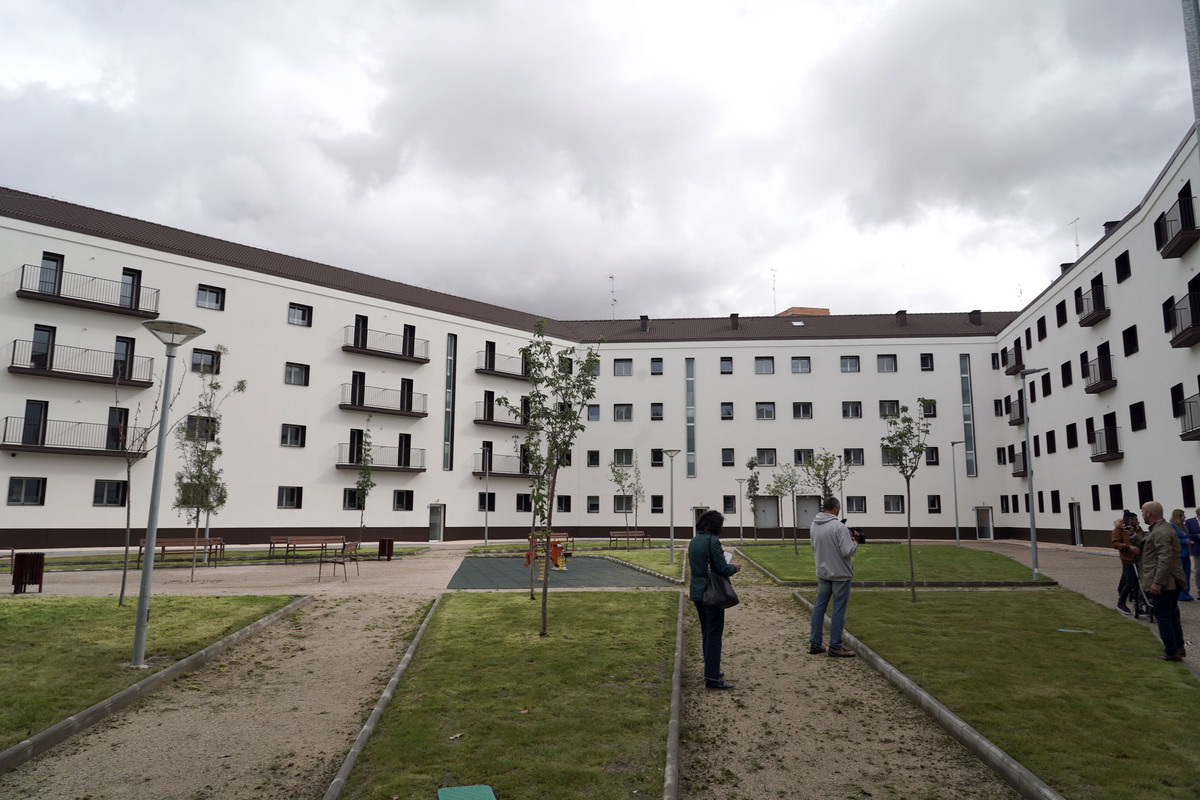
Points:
(705, 553)
(833, 547)
(1162, 578)
(1122, 529)
(1179, 523)
(1192, 526)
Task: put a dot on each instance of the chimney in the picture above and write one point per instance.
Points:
(644, 326)
(733, 321)
(902, 318)
(1064, 268)
(975, 317)
(1111, 226)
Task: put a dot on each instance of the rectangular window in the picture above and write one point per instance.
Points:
(802, 410)
(726, 365)
(1055, 502)
(593, 458)
(1124, 270)
(893, 504)
(623, 457)
(402, 500)
(524, 503)
(929, 408)
(764, 365)
(1003, 504)
(487, 501)
(1066, 374)
(1060, 313)
(726, 456)
(210, 297)
(622, 504)
(764, 411)
(726, 410)
(1073, 437)
(887, 408)
(1051, 442)
(856, 504)
(1046, 387)
(801, 364)
(656, 504)
(207, 362)
(934, 503)
(891, 456)
(109, 493)
(563, 503)
(1129, 339)
(656, 457)
(1137, 416)
(1037, 446)
(300, 315)
(995, 361)
(765, 457)
(656, 411)
(623, 412)
(200, 428)
(656, 366)
(998, 408)
(927, 362)
(350, 500)
(849, 363)
(885, 363)
(932, 457)
(851, 409)
(1095, 497)
(290, 497)
(802, 457)
(853, 456)
(1116, 501)
(1001, 456)
(1041, 328)
(729, 504)
(27, 491)
(1177, 406)
(593, 504)
(295, 374)
(593, 412)
(292, 435)
(1187, 489)
(622, 366)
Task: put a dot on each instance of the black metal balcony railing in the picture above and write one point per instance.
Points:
(386, 459)
(1106, 445)
(388, 345)
(1093, 307)
(1018, 465)
(69, 437)
(494, 414)
(1190, 421)
(1016, 414)
(1100, 376)
(78, 363)
(1185, 316)
(385, 401)
(1012, 361)
(1175, 231)
(497, 364)
(492, 464)
(42, 283)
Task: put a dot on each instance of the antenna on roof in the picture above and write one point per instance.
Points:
(612, 290)
(1075, 223)
(774, 305)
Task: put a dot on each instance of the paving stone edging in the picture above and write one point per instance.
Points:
(59, 732)
(671, 768)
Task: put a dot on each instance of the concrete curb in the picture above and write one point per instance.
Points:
(343, 774)
(44, 740)
(676, 581)
(671, 769)
(1014, 774)
(1043, 584)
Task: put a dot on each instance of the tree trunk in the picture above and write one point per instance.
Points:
(195, 546)
(912, 573)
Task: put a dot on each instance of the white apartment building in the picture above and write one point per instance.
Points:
(1114, 419)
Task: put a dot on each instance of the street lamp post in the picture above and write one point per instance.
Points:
(1029, 467)
(954, 475)
(741, 538)
(487, 471)
(172, 334)
(671, 455)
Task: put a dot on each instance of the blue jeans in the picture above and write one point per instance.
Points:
(1187, 577)
(1127, 588)
(712, 627)
(840, 591)
(1166, 614)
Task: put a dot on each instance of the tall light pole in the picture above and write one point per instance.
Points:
(172, 334)
(954, 474)
(487, 471)
(1029, 466)
(671, 455)
(740, 481)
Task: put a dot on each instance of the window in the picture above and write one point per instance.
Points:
(726, 410)
(622, 504)
(210, 297)
(764, 365)
(593, 458)
(656, 411)
(891, 456)
(1037, 446)
(849, 363)
(995, 361)
(623, 457)
(1168, 314)
(623, 412)
(1055, 502)
(292, 435)
(1137, 416)
(1073, 437)
(927, 362)
(929, 408)
(1051, 442)
(802, 410)
(563, 503)
(487, 501)
(856, 504)
(1115, 500)
(1060, 313)
(656, 366)
(593, 412)
(802, 457)
(885, 363)
(290, 497)
(299, 315)
(764, 411)
(593, 504)
(729, 504)
(207, 362)
(801, 364)
(1129, 339)
(887, 408)
(934, 503)
(402, 500)
(1187, 488)
(351, 500)
(931, 456)
(656, 504)
(295, 374)
(893, 504)
(656, 457)
(853, 456)
(622, 366)
(1001, 456)
(726, 365)
(524, 503)
(1066, 374)
(1177, 406)
(1028, 340)
(1124, 270)
(1003, 504)
(726, 456)
(1041, 328)
(765, 457)
(200, 428)
(1095, 497)
(998, 408)
(109, 493)
(851, 409)
(26, 491)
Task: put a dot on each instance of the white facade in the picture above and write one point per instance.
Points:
(259, 307)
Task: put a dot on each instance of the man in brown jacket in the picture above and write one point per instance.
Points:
(1122, 529)
(1162, 578)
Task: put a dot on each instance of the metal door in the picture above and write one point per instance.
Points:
(766, 512)
(983, 522)
(1073, 511)
(807, 507)
(437, 522)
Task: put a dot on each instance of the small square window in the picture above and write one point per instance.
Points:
(726, 456)
(851, 409)
(206, 362)
(562, 503)
(802, 410)
(929, 408)
(351, 500)
(927, 362)
(934, 504)
(889, 408)
(210, 297)
(656, 366)
(764, 411)
(623, 412)
(885, 363)
(764, 365)
(729, 504)
(726, 365)
(26, 491)
(593, 458)
(765, 457)
(849, 363)
(622, 504)
(802, 457)
(623, 457)
(656, 504)
(656, 457)
(891, 456)
(623, 366)
(593, 504)
(593, 412)
(198, 428)
(109, 493)
(656, 411)
(853, 456)
(726, 410)
(295, 374)
(290, 497)
(856, 504)
(524, 503)
(801, 364)
(402, 500)
(292, 435)
(299, 315)
(931, 456)
(487, 501)
(893, 504)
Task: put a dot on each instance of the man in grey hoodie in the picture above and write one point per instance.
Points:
(833, 547)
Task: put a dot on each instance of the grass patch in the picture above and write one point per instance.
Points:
(1094, 715)
(581, 713)
(64, 654)
(889, 562)
(656, 560)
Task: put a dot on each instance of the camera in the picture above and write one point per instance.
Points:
(856, 533)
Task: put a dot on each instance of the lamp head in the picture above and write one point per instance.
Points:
(172, 333)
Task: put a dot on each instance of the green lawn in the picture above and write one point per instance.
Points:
(63, 654)
(889, 562)
(580, 713)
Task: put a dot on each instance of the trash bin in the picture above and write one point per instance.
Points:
(27, 570)
(385, 549)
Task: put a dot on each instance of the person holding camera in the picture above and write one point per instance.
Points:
(833, 546)
(1123, 529)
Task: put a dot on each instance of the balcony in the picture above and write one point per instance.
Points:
(1175, 231)
(62, 437)
(1190, 421)
(1092, 307)
(1105, 445)
(498, 416)
(383, 459)
(1185, 316)
(1016, 414)
(490, 464)
(490, 363)
(1018, 466)
(87, 291)
(396, 346)
(78, 364)
(1100, 375)
(377, 400)
(1013, 362)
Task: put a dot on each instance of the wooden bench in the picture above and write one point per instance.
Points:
(214, 545)
(346, 553)
(320, 544)
(627, 536)
(276, 542)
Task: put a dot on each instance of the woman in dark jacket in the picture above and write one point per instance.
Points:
(705, 553)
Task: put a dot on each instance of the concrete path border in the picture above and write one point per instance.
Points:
(671, 768)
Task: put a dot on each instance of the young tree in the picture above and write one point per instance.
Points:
(752, 484)
(629, 480)
(783, 485)
(824, 473)
(199, 486)
(365, 483)
(559, 389)
(904, 447)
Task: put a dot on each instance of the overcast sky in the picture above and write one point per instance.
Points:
(711, 157)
